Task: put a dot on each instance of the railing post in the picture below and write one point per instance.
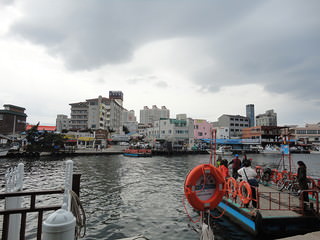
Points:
(76, 183)
(14, 183)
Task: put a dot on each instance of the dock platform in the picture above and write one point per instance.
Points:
(278, 215)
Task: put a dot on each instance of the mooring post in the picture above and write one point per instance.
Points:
(76, 183)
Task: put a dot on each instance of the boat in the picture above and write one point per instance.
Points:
(277, 213)
(271, 149)
(137, 152)
(223, 150)
(4, 152)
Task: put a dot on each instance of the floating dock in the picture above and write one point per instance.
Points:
(279, 214)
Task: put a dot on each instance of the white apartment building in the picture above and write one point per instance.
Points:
(62, 122)
(178, 132)
(269, 118)
(222, 133)
(97, 113)
(129, 120)
(149, 116)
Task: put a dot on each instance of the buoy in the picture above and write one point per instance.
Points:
(245, 192)
(232, 187)
(204, 187)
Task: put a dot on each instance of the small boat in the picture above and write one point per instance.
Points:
(137, 152)
(4, 152)
(222, 150)
(271, 149)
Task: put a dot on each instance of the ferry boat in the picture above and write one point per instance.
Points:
(137, 152)
(279, 209)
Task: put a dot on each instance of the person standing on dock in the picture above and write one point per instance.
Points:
(248, 174)
(224, 168)
(236, 164)
(303, 180)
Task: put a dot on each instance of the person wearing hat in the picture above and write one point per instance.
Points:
(236, 164)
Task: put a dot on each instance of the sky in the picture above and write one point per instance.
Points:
(203, 58)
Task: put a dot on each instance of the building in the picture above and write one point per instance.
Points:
(98, 113)
(269, 118)
(265, 135)
(12, 120)
(173, 134)
(250, 114)
(234, 123)
(222, 132)
(309, 134)
(202, 129)
(149, 116)
(129, 120)
(62, 122)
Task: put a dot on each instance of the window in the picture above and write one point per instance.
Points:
(1, 116)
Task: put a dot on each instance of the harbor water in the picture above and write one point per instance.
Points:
(126, 196)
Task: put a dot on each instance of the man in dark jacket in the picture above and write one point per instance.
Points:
(236, 164)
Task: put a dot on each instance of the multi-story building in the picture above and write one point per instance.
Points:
(250, 114)
(176, 133)
(202, 129)
(308, 134)
(12, 120)
(269, 118)
(62, 122)
(97, 113)
(235, 124)
(265, 135)
(148, 116)
(129, 120)
(222, 132)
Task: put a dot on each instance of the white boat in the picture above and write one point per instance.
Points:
(271, 149)
(4, 152)
(222, 150)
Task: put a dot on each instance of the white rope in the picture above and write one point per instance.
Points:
(79, 213)
(206, 231)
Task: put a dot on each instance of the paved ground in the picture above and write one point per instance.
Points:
(308, 236)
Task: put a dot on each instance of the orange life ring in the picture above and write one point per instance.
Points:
(232, 187)
(274, 175)
(204, 187)
(245, 192)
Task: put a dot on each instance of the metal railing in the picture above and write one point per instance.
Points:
(32, 208)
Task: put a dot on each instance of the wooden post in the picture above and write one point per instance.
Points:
(76, 183)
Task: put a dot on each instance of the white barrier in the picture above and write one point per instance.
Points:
(14, 183)
(61, 224)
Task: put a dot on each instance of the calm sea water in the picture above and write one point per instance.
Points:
(125, 196)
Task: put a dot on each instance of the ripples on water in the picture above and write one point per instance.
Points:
(125, 196)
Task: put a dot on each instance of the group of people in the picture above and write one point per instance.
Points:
(244, 171)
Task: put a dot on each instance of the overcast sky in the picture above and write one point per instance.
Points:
(204, 58)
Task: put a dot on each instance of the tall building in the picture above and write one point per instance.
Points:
(129, 120)
(97, 113)
(250, 114)
(149, 116)
(269, 118)
(62, 122)
(12, 120)
(235, 124)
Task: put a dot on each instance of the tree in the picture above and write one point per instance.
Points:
(125, 129)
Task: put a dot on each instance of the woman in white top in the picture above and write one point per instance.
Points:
(248, 174)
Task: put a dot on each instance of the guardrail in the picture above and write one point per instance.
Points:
(32, 208)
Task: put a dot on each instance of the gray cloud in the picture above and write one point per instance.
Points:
(273, 43)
